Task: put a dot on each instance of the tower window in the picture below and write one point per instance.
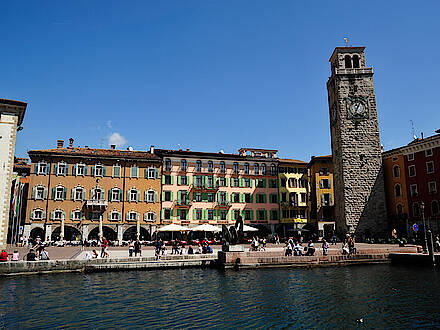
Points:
(347, 62)
(355, 61)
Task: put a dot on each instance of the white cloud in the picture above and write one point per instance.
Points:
(109, 124)
(117, 140)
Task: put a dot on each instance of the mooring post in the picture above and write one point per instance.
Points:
(431, 247)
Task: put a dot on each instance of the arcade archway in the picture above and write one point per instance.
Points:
(107, 232)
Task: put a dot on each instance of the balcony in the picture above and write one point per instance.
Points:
(222, 204)
(182, 204)
(354, 71)
(97, 203)
(204, 187)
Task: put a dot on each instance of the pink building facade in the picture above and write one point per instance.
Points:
(216, 188)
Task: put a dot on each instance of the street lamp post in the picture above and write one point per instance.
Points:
(422, 207)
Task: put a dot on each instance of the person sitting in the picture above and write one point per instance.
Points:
(209, 249)
(15, 256)
(44, 255)
(30, 256)
(182, 250)
(345, 250)
(95, 254)
(190, 250)
(310, 249)
(351, 247)
(3, 256)
(288, 249)
(297, 249)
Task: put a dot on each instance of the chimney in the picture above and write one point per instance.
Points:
(152, 150)
(60, 144)
(113, 146)
(187, 149)
(70, 142)
(421, 135)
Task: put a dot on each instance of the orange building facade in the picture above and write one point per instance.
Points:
(84, 193)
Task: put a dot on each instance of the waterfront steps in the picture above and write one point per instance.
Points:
(105, 264)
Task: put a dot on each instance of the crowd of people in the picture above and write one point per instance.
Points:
(296, 248)
(177, 248)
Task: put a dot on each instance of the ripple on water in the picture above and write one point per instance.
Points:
(384, 296)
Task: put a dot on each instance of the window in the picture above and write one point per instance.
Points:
(37, 214)
(303, 198)
(199, 181)
(397, 190)
(210, 197)
(293, 198)
(273, 198)
(79, 194)
(210, 181)
(97, 194)
(283, 197)
(167, 214)
(134, 195)
(61, 169)
(247, 215)
(76, 215)
(347, 61)
(247, 198)
(235, 182)
(261, 198)
(114, 216)
(59, 193)
(429, 167)
(428, 152)
(235, 168)
(256, 169)
(261, 183)
(396, 171)
(399, 209)
(132, 216)
(115, 195)
(293, 214)
(247, 182)
(150, 196)
(261, 215)
(324, 184)
(235, 197)
(182, 197)
(283, 183)
(434, 208)
(168, 164)
(324, 171)
(81, 169)
(223, 215)
(292, 183)
(326, 200)
(150, 216)
(183, 180)
(285, 214)
(42, 168)
(246, 168)
(134, 172)
(413, 189)
(99, 171)
(410, 156)
(167, 179)
(432, 187)
(198, 214)
(167, 196)
(199, 166)
(222, 199)
(263, 169)
(273, 169)
(222, 167)
(302, 183)
(416, 210)
(116, 171)
(210, 166)
(95, 215)
(355, 61)
(57, 215)
(210, 215)
(183, 165)
(152, 173)
(273, 215)
(40, 193)
(412, 170)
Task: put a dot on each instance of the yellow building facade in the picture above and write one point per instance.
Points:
(294, 192)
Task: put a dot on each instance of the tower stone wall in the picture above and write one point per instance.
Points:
(356, 150)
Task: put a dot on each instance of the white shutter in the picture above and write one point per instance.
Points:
(146, 196)
(129, 196)
(44, 215)
(63, 215)
(137, 216)
(138, 196)
(51, 215)
(145, 217)
(45, 193)
(71, 215)
(108, 215)
(155, 196)
(102, 194)
(154, 216)
(31, 216)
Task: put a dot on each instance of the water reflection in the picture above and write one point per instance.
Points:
(384, 296)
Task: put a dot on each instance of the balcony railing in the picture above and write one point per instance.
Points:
(221, 204)
(353, 71)
(97, 202)
(204, 186)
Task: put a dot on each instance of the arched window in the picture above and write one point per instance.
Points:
(59, 193)
(416, 209)
(97, 194)
(347, 62)
(246, 168)
(134, 195)
(355, 61)
(38, 214)
(150, 216)
(434, 208)
(132, 216)
(397, 190)
(263, 169)
(273, 169)
(78, 193)
(399, 209)
(222, 167)
(256, 169)
(396, 171)
(183, 165)
(235, 167)
(150, 196)
(114, 215)
(210, 166)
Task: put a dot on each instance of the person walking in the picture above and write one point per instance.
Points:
(137, 248)
(130, 248)
(104, 248)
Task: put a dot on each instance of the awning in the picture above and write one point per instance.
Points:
(207, 227)
(173, 227)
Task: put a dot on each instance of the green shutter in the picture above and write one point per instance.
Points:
(194, 214)
(171, 213)
(241, 198)
(104, 170)
(178, 214)
(172, 179)
(53, 193)
(252, 214)
(252, 198)
(55, 169)
(265, 215)
(178, 196)
(179, 180)
(265, 198)
(232, 215)
(187, 180)
(163, 196)
(110, 195)
(172, 196)
(264, 183)
(65, 194)
(227, 215)
(121, 196)
(194, 179)
(204, 197)
(93, 171)
(146, 173)
(162, 214)
(227, 182)
(163, 179)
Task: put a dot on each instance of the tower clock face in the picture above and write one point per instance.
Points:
(357, 107)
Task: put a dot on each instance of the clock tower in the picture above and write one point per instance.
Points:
(357, 156)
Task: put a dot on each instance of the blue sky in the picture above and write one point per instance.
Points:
(211, 75)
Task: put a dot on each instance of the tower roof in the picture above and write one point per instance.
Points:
(346, 50)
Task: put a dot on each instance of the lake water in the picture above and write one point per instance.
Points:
(384, 296)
